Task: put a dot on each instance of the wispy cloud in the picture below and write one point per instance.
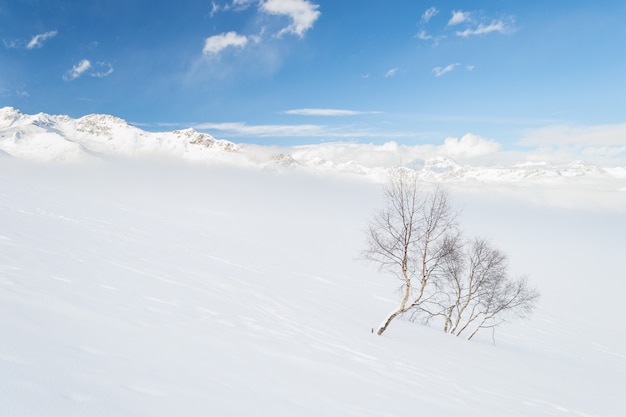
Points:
(458, 17)
(596, 144)
(239, 5)
(213, 45)
(429, 14)
(101, 70)
(423, 35)
(327, 112)
(38, 40)
(302, 13)
(469, 23)
(439, 71)
(336, 132)
(17, 93)
(77, 70)
(13, 43)
(600, 135)
(215, 8)
(97, 70)
(243, 129)
(483, 29)
(392, 72)
(236, 5)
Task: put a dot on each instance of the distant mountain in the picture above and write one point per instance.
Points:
(45, 137)
(48, 138)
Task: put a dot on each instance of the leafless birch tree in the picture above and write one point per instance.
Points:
(464, 284)
(478, 292)
(407, 239)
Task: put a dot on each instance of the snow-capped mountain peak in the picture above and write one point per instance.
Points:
(101, 124)
(8, 116)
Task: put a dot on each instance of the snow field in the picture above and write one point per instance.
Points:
(160, 289)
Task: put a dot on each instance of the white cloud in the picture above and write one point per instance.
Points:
(242, 4)
(458, 17)
(469, 146)
(37, 40)
(326, 112)
(392, 72)
(102, 69)
(236, 5)
(439, 71)
(77, 70)
(12, 43)
(213, 45)
(265, 130)
(604, 151)
(10, 93)
(302, 13)
(215, 8)
(482, 29)
(98, 70)
(429, 14)
(423, 35)
(600, 135)
(340, 132)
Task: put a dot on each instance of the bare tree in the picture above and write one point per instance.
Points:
(479, 292)
(408, 237)
(464, 284)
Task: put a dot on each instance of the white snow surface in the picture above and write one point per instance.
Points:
(157, 288)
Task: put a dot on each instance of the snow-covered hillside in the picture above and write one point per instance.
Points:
(138, 288)
(51, 138)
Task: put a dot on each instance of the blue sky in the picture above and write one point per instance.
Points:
(305, 71)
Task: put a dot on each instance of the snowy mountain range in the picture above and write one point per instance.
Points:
(45, 137)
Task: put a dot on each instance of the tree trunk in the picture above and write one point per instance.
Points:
(388, 320)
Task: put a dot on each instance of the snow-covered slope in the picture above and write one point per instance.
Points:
(160, 289)
(46, 138)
